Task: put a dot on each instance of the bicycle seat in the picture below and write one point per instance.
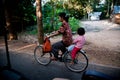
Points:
(70, 48)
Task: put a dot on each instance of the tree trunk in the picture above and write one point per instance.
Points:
(11, 30)
(9, 13)
(39, 21)
(108, 8)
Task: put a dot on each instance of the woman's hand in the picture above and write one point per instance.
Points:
(48, 36)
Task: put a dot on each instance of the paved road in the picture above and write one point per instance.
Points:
(26, 64)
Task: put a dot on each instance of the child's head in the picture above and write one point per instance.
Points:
(81, 31)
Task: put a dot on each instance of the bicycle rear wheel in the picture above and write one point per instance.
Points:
(80, 63)
(40, 57)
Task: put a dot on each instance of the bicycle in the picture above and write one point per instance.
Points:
(80, 62)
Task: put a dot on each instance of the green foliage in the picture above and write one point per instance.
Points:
(27, 12)
(74, 24)
(75, 8)
(32, 30)
(50, 17)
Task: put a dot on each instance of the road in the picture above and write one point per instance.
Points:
(26, 64)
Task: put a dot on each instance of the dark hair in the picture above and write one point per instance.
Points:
(81, 31)
(64, 16)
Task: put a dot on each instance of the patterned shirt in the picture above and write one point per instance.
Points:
(66, 33)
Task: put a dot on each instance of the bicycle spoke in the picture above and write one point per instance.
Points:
(42, 58)
(80, 63)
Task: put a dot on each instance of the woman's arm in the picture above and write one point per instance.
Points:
(53, 34)
(60, 31)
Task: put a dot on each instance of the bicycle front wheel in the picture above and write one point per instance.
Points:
(80, 63)
(40, 57)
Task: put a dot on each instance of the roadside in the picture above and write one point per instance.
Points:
(103, 42)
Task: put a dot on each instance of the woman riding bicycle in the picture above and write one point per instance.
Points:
(81, 60)
(66, 32)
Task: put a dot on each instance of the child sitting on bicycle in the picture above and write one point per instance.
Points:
(78, 43)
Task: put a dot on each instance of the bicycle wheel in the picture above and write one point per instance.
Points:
(40, 57)
(80, 63)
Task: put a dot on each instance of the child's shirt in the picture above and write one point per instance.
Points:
(79, 41)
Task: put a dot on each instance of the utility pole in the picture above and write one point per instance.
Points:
(3, 30)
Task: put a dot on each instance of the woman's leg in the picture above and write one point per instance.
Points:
(56, 47)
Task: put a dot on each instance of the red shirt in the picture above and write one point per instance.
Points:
(66, 32)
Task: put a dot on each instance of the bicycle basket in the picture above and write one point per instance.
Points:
(47, 45)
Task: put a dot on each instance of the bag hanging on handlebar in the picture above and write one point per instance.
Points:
(47, 45)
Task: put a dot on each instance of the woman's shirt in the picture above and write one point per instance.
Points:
(66, 33)
(79, 41)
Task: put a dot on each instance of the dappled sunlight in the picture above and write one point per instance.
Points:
(24, 47)
(18, 46)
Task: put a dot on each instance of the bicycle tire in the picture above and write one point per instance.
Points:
(40, 57)
(80, 65)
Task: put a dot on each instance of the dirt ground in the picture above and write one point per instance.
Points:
(102, 43)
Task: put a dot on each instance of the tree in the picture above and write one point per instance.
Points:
(80, 8)
(39, 21)
(19, 14)
(110, 5)
(9, 18)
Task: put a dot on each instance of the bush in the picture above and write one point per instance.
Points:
(74, 23)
